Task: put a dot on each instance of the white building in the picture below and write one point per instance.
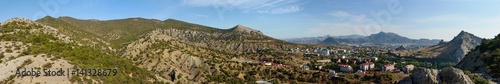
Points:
(268, 63)
(359, 72)
(388, 67)
(324, 61)
(408, 68)
(324, 51)
(345, 68)
(332, 73)
(263, 82)
(375, 58)
(367, 66)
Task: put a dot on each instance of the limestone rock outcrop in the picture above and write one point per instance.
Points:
(448, 75)
(452, 75)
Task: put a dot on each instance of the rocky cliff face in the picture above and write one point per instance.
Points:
(240, 39)
(193, 54)
(472, 62)
(169, 58)
(460, 45)
(448, 75)
(452, 51)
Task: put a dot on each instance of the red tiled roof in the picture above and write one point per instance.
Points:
(368, 63)
(343, 65)
(389, 65)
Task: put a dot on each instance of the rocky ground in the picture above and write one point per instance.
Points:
(448, 75)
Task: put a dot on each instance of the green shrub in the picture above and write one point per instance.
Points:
(84, 57)
(480, 80)
(47, 65)
(8, 51)
(17, 48)
(467, 72)
(1, 55)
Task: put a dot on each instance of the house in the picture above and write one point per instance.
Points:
(346, 60)
(338, 60)
(263, 82)
(341, 51)
(306, 67)
(324, 61)
(342, 56)
(268, 63)
(332, 73)
(396, 71)
(375, 58)
(345, 68)
(324, 51)
(311, 54)
(367, 66)
(319, 67)
(408, 68)
(359, 72)
(388, 67)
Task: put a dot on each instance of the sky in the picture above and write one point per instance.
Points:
(432, 19)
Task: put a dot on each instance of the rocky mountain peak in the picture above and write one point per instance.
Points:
(466, 38)
(244, 29)
(402, 47)
(385, 34)
(463, 36)
(460, 45)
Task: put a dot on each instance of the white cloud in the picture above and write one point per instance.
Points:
(350, 17)
(288, 9)
(441, 19)
(259, 6)
(350, 24)
(198, 15)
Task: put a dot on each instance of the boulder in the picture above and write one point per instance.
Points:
(448, 75)
(452, 75)
(421, 76)
(424, 76)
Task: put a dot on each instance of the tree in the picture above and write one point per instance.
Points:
(1, 55)
(172, 75)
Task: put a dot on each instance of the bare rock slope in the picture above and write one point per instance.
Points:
(448, 75)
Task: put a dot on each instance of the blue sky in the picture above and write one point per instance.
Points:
(433, 19)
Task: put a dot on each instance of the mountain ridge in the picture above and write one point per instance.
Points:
(382, 38)
(153, 51)
(376, 38)
(118, 33)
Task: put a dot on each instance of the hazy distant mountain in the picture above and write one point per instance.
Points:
(316, 40)
(379, 38)
(349, 36)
